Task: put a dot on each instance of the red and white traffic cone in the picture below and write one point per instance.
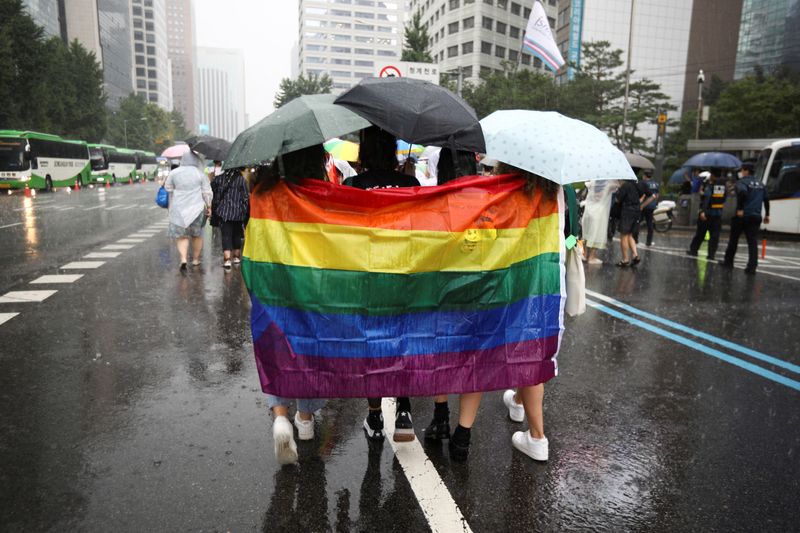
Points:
(27, 191)
(108, 184)
(77, 184)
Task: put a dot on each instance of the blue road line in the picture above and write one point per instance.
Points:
(699, 334)
(750, 367)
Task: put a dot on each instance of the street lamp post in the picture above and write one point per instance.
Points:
(701, 78)
(628, 76)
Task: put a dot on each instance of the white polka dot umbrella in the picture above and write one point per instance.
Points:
(558, 148)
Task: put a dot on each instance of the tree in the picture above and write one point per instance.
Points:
(416, 40)
(44, 84)
(142, 125)
(290, 89)
(512, 89)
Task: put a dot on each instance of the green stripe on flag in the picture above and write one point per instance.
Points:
(368, 293)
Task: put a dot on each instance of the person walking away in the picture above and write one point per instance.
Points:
(189, 205)
(378, 164)
(231, 208)
(306, 163)
(629, 198)
(596, 214)
(709, 219)
(751, 197)
(650, 203)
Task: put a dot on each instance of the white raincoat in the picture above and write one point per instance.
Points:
(190, 191)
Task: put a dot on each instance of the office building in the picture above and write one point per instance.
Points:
(347, 40)
(221, 96)
(479, 36)
(660, 40)
(713, 38)
(182, 54)
(152, 71)
(768, 36)
(104, 27)
(45, 13)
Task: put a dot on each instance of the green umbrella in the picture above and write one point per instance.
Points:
(303, 122)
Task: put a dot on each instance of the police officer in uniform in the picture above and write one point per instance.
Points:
(651, 190)
(750, 197)
(710, 217)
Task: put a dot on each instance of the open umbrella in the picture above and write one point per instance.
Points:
(713, 160)
(342, 150)
(679, 175)
(175, 151)
(303, 122)
(416, 111)
(639, 161)
(212, 148)
(558, 148)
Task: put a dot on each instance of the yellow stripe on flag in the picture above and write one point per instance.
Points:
(367, 249)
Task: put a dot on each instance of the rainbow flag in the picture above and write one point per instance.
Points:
(404, 292)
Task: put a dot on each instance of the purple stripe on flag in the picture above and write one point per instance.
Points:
(546, 57)
(287, 374)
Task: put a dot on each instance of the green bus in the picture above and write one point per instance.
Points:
(41, 161)
(148, 165)
(122, 163)
(99, 154)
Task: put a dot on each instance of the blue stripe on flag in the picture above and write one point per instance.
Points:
(342, 335)
(540, 52)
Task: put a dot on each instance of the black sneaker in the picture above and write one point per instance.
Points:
(373, 426)
(689, 252)
(438, 430)
(403, 427)
(725, 264)
(750, 271)
(459, 451)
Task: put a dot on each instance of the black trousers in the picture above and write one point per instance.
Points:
(232, 235)
(651, 224)
(712, 225)
(749, 226)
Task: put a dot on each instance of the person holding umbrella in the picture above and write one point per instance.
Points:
(189, 206)
(651, 201)
(629, 199)
(229, 212)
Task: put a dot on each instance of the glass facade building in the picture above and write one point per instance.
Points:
(152, 70)
(45, 13)
(768, 36)
(114, 22)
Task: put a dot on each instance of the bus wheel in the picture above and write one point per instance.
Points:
(48, 184)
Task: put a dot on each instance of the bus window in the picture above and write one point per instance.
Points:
(99, 159)
(12, 155)
(784, 174)
(761, 164)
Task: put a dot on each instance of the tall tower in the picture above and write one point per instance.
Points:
(152, 72)
(221, 92)
(182, 44)
(346, 41)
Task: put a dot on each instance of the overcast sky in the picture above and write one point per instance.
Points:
(265, 30)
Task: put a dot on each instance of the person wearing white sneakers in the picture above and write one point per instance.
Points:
(282, 431)
(528, 401)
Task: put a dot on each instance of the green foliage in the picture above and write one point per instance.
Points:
(290, 89)
(142, 125)
(415, 47)
(46, 85)
(595, 95)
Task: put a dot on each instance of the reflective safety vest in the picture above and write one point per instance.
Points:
(717, 197)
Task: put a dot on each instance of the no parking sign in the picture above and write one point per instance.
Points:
(406, 69)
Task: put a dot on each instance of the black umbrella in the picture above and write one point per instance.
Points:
(416, 111)
(212, 148)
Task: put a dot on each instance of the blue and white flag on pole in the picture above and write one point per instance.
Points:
(539, 38)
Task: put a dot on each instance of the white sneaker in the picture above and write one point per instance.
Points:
(305, 428)
(595, 261)
(536, 449)
(283, 437)
(227, 265)
(515, 411)
(236, 261)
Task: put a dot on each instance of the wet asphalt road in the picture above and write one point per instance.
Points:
(129, 400)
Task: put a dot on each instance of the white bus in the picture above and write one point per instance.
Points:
(41, 161)
(778, 168)
(148, 165)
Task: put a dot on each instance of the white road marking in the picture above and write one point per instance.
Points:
(5, 317)
(102, 255)
(57, 278)
(118, 247)
(703, 259)
(66, 209)
(25, 296)
(436, 502)
(130, 241)
(126, 207)
(143, 234)
(83, 265)
(92, 208)
(11, 225)
(109, 208)
(154, 206)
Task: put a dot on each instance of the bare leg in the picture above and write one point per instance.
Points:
(468, 408)
(632, 244)
(226, 255)
(305, 416)
(440, 398)
(237, 254)
(532, 399)
(623, 245)
(197, 248)
(183, 247)
(281, 410)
